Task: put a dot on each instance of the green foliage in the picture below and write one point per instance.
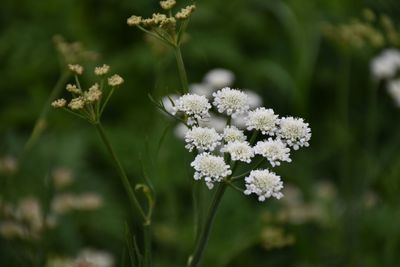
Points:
(275, 48)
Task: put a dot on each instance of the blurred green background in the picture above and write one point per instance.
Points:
(342, 205)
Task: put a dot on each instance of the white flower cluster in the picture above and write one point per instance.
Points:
(218, 133)
(211, 168)
(196, 107)
(386, 67)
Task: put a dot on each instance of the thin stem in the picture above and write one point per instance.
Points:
(40, 123)
(106, 101)
(235, 178)
(124, 178)
(181, 70)
(197, 255)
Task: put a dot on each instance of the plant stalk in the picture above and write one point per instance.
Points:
(181, 70)
(40, 123)
(124, 178)
(197, 255)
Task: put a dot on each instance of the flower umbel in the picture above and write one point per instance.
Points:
(202, 139)
(274, 150)
(194, 106)
(263, 120)
(294, 131)
(232, 134)
(211, 168)
(264, 183)
(239, 150)
(231, 101)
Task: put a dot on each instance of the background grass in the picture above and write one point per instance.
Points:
(349, 178)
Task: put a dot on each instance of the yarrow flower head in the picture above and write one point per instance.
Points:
(232, 134)
(77, 103)
(115, 80)
(59, 103)
(93, 94)
(167, 4)
(211, 168)
(76, 68)
(202, 139)
(239, 150)
(231, 101)
(274, 150)
(294, 131)
(263, 120)
(102, 70)
(264, 184)
(134, 20)
(73, 89)
(185, 12)
(194, 106)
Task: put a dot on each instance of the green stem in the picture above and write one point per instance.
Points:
(181, 70)
(40, 123)
(124, 178)
(197, 255)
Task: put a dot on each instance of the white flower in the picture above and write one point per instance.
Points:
(195, 106)
(77, 103)
(394, 91)
(211, 168)
(202, 139)
(181, 130)
(219, 78)
(294, 131)
(93, 94)
(232, 101)
(115, 80)
(263, 120)
(231, 134)
(59, 103)
(96, 258)
(101, 70)
(201, 89)
(218, 123)
(240, 120)
(386, 64)
(239, 151)
(255, 100)
(168, 103)
(263, 183)
(274, 150)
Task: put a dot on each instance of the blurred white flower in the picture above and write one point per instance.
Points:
(255, 100)
(394, 91)
(30, 211)
(274, 150)
(202, 139)
(181, 130)
(168, 101)
(231, 134)
(211, 168)
(216, 122)
(11, 229)
(96, 258)
(239, 150)
(263, 120)
(231, 101)
(62, 177)
(294, 131)
(386, 64)
(263, 183)
(219, 78)
(201, 89)
(195, 106)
